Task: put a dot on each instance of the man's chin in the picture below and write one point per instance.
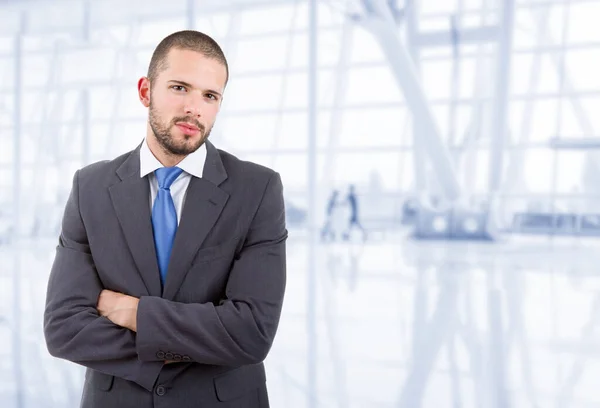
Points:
(183, 149)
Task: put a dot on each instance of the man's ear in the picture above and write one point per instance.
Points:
(144, 91)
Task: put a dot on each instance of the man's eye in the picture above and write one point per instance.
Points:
(178, 88)
(212, 96)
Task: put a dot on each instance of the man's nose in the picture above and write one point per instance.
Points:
(193, 106)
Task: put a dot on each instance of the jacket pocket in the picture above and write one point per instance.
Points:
(235, 383)
(101, 381)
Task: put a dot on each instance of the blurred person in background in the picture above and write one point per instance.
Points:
(352, 201)
(328, 230)
(170, 270)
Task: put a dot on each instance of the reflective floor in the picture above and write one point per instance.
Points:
(394, 323)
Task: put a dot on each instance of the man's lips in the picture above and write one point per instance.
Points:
(187, 125)
(187, 128)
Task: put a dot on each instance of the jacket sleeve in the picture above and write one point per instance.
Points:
(73, 329)
(241, 328)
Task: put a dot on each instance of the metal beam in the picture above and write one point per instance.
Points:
(311, 300)
(419, 161)
(191, 14)
(85, 93)
(140, 11)
(337, 111)
(16, 215)
(513, 180)
(500, 106)
(381, 24)
(288, 54)
(465, 36)
(547, 49)
(579, 143)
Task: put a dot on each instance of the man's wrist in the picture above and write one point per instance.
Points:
(133, 315)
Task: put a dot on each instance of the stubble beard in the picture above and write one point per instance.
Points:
(165, 139)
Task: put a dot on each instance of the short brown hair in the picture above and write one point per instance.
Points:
(185, 40)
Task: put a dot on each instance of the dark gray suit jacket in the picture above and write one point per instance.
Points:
(219, 309)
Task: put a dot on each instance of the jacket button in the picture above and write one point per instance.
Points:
(160, 390)
(169, 356)
(177, 357)
(187, 358)
(160, 355)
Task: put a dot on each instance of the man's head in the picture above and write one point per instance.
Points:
(186, 79)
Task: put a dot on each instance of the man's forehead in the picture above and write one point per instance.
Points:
(197, 70)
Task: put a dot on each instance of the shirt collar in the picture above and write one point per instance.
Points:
(192, 164)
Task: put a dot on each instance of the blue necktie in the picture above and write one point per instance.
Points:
(164, 218)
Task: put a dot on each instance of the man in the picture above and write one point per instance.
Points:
(170, 270)
(353, 221)
(328, 230)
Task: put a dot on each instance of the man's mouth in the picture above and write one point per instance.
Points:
(187, 128)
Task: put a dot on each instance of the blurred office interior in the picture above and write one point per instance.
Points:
(441, 167)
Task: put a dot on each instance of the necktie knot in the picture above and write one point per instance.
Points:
(166, 176)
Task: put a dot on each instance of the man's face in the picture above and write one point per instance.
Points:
(184, 100)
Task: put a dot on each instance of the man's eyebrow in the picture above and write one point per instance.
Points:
(181, 83)
(191, 86)
(215, 92)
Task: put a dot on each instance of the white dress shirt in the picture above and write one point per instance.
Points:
(192, 165)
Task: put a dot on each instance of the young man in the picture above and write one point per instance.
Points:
(170, 270)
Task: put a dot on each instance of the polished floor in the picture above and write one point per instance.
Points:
(388, 323)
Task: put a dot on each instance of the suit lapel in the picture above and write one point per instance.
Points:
(204, 203)
(131, 201)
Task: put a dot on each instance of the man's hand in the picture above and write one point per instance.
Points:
(119, 308)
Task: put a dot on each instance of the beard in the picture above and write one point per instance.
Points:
(165, 138)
